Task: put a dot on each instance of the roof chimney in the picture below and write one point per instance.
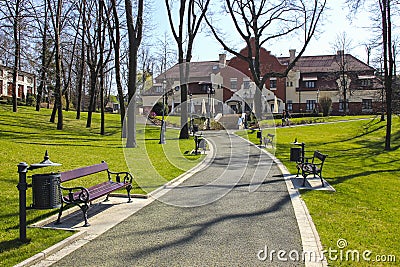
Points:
(222, 60)
(292, 55)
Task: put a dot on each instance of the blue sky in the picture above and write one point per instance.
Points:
(333, 24)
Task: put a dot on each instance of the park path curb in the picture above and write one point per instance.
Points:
(310, 240)
(85, 235)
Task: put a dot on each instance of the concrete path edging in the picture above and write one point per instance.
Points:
(311, 242)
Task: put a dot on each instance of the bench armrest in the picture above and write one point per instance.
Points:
(72, 197)
(127, 177)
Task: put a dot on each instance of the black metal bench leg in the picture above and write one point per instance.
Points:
(128, 189)
(304, 178)
(84, 209)
(322, 181)
(60, 213)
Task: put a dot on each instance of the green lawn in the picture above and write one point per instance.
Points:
(26, 135)
(365, 209)
(310, 120)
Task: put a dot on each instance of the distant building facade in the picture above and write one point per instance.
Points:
(26, 83)
(337, 76)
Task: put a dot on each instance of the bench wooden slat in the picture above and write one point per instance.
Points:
(100, 190)
(70, 175)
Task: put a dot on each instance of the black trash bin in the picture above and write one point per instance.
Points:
(295, 154)
(46, 191)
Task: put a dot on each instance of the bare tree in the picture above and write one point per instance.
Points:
(342, 46)
(82, 9)
(13, 11)
(96, 58)
(135, 33)
(260, 22)
(385, 18)
(191, 15)
(43, 28)
(56, 22)
(116, 41)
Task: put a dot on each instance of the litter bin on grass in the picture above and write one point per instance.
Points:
(46, 191)
(295, 154)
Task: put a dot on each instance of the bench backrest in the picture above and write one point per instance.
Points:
(319, 156)
(80, 172)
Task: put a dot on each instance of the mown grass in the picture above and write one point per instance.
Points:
(310, 120)
(365, 208)
(27, 134)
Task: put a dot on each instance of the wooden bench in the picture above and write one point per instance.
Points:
(83, 197)
(269, 139)
(314, 167)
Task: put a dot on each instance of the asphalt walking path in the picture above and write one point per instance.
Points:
(234, 212)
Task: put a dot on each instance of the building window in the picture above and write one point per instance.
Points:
(21, 91)
(9, 89)
(246, 84)
(233, 83)
(310, 84)
(367, 104)
(29, 90)
(289, 84)
(21, 78)
(158, 89)
(29, 80)
(311, 105)
(272, 83)
(289, 105)
(1, 73)
(366, 82)
(1, 87)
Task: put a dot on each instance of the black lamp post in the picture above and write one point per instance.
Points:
(210, 92)
(162, 131)
(190, 111)
(22, 186)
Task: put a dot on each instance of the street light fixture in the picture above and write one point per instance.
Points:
(190, 111)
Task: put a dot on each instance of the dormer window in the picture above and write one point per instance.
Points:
(366, 80)
(310, 84)
(233, 83)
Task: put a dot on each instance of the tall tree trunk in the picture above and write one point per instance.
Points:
(17, 43)
(82, 63)
(44, 57)
(101, 35)
(92, 95)
(53, 113)
(58, 91)
(135, 38)
(388, 67)
(117, 59)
